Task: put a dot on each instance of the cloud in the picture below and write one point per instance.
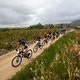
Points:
(28, 12)
(61, 11)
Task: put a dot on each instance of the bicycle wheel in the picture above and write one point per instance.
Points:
(35, 49)
(16, 61)
(40, 46)
(29, 53)
(43, 43)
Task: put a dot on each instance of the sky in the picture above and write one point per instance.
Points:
(29, 12)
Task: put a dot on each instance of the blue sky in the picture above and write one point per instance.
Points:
(28, 12)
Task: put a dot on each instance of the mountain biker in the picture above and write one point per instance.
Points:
(38, 41)
(54, 33)
(50, 35)
(24, 45)
(46, 37)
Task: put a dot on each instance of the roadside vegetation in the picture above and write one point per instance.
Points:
(60, 61)
(9, 37)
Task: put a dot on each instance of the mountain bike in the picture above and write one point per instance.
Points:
(36, 47)
(45, 41)
(16, 61)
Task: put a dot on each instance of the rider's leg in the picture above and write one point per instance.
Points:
(26, 51)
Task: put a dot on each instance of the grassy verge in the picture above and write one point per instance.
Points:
(34, 69)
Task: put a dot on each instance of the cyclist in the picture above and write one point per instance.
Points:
(50, 35)
(23, 45)
(54, 33)
(46, 37)
(38, 41)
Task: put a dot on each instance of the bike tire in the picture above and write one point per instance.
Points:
(35, 49)
(43, 43)
(30, 53)
(12, 63)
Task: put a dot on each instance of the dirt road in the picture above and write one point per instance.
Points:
(6, 70)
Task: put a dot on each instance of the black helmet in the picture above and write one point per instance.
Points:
(21, 40)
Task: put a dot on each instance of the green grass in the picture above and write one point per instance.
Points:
(47, 56)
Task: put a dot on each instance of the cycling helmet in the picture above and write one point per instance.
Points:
(21, 40)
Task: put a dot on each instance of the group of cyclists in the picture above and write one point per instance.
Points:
(47, 36)
(23, 46)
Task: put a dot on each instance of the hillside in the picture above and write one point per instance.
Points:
(76, 23)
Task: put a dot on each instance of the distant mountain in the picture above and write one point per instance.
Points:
(76, 23)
